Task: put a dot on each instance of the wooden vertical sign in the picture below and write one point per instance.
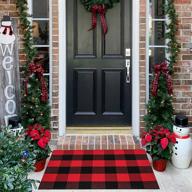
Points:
(9, 70)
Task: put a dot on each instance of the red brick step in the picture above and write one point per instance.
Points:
(90, 142)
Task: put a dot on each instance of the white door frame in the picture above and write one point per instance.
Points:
(135, 67)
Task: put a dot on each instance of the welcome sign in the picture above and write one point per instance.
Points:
(9, 71)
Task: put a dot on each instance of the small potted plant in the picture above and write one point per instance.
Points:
(159, 144)
(39, 138)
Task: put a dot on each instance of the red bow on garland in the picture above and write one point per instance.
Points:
(38, 69)
(162, 69)
(101, 10)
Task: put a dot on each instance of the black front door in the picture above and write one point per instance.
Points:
(97, 91)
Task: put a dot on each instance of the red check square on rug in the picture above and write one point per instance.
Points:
(99, 169)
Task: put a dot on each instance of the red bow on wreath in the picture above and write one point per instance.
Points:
(162, 69)
(38, 69)
(101, 10)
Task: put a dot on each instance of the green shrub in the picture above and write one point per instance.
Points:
(15, 163)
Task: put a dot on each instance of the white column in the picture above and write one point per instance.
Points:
(62, 67)
(135, 68)
(147, 50)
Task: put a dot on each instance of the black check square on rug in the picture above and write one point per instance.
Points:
(99, 169)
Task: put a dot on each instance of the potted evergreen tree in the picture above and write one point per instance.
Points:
(160, 108)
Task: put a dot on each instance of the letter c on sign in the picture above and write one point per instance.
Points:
(9, 95)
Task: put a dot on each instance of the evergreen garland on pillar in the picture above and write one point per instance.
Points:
(172, 29)
(160, 109)
(35, 108)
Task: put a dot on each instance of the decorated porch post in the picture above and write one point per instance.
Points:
(35, 110)
(158, 138)
(160, 108)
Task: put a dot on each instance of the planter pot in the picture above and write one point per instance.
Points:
(160, 165)
(40, 165)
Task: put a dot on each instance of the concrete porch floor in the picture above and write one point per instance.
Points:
(172, 180)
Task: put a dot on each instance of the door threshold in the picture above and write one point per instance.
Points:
(99, 130)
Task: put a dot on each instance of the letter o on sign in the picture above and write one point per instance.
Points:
(10, 107)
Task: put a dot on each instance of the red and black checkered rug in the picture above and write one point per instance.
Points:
(99, 169)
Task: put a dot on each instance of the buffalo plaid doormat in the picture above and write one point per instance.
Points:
(99, 169)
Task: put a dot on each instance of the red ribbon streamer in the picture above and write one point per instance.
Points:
(6, 28)
(162, 69)
(101, 10)
(38, 69)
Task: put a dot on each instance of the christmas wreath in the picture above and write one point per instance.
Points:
(107, 3)
(99, 7)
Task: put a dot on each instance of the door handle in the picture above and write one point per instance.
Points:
(127, 64)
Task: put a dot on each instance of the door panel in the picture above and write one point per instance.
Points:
(112, 92)
(84, 82)
(114, 43)
(97, 92)
(84, 42)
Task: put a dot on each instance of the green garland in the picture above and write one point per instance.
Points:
(89, 3)
(160, 108)
(33, 110)
(172, 28)
(29, 50)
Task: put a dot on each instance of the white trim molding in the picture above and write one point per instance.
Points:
(135, 68)
(147, 51)
(62, 67)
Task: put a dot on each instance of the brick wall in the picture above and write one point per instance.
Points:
(55, 65)
(183, 69)
(142, 60)
(8, 6)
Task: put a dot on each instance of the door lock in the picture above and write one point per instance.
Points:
(127, 64)
(127, 52)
